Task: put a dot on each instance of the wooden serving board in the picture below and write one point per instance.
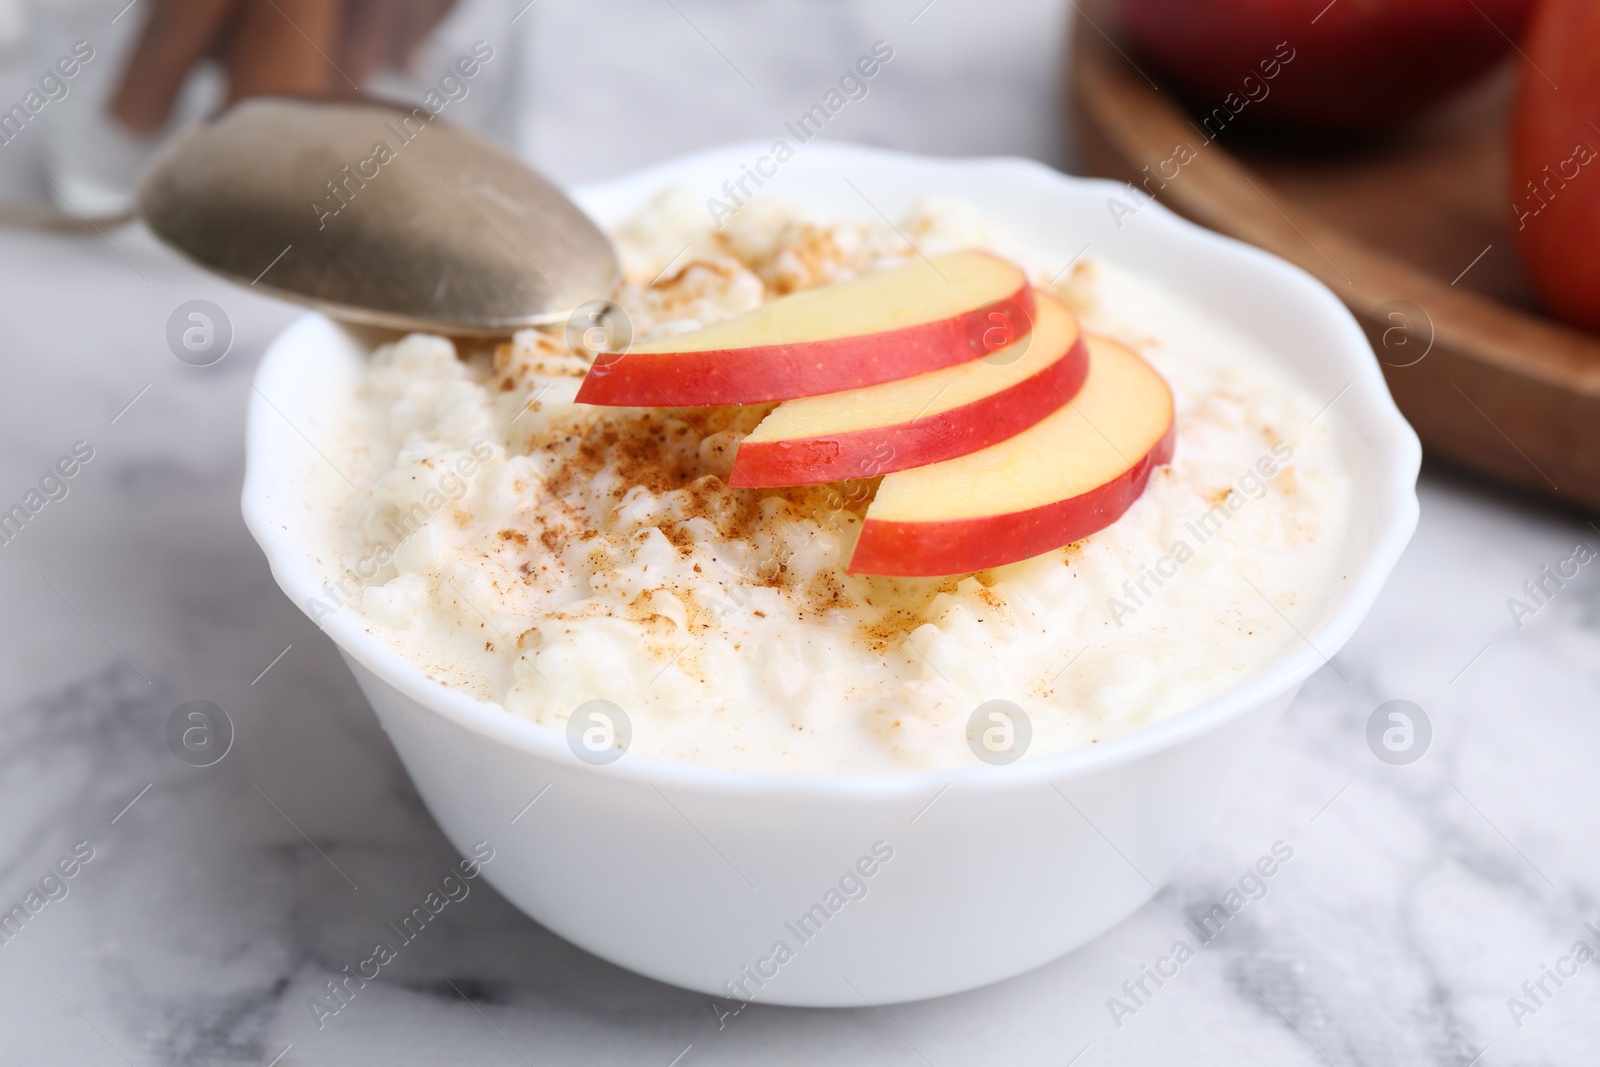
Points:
(1413, 235)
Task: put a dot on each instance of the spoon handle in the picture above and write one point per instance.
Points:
(27, 215)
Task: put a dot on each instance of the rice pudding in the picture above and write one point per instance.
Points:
(539, 554)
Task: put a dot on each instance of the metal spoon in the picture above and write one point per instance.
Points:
(376, 214)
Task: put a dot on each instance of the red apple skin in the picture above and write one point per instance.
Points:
(886, 449)
(1556, 222)
(763, 373)
(962, 546)
(1363, 65)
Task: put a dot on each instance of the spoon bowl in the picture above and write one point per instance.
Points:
(377, 214)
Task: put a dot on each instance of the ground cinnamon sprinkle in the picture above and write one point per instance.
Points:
(888, 631)
(656, 451)
(825, 591)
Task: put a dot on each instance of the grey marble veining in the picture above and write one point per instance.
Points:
(219, 900)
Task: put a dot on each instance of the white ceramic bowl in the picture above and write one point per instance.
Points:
(689, 874)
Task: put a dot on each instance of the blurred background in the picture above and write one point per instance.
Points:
(968, 82)
(1424, 897)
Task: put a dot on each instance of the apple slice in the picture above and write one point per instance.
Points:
(893, 324)
(917, 421)
(1073, 473)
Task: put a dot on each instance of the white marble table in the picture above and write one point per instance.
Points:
(218, 900)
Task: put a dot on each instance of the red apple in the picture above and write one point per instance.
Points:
(1555, 159)
(881, 327)
(1074, 473)
(926, 419)
(1347, 66)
